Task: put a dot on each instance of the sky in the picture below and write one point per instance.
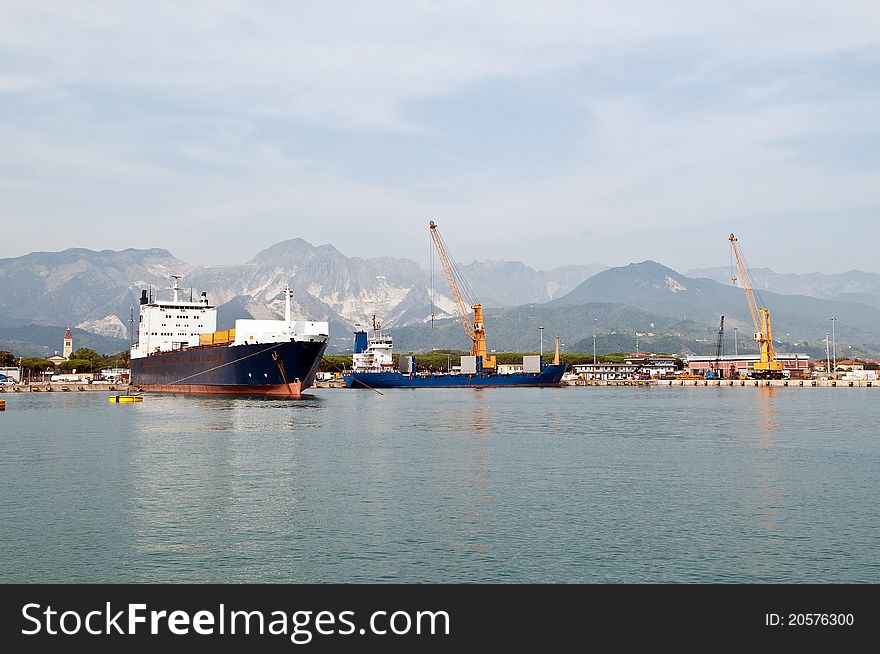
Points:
(547, 132)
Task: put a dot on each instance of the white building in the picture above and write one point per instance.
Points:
(115, 374)
(635, 367)
(10, 373)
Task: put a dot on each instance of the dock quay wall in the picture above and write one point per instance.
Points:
(737, 383)
(58, 387)
(66, 387)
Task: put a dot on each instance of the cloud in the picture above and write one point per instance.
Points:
(638, 123)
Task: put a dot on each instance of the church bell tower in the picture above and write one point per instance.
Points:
(68, 344)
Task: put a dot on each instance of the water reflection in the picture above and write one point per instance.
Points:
(746, 484)
(768, 502)
(480, 423)
(767, 415)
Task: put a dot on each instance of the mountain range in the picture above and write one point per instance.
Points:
(654, 287)
(643, 304)
(95, 291)
(852, 286)
(651, 307)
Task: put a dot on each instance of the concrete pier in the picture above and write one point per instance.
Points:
(65, 387)
(738, 383)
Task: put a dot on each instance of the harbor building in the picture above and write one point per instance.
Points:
(634, 367)
(116, 374)
(10, 374)
(796, 365)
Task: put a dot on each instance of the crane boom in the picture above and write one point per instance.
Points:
(768, 366)
(460, 306)
(475, 331)
(746, 281)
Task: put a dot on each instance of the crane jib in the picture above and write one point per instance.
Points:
(475, 330)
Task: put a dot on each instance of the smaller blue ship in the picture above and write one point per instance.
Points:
(373, 367)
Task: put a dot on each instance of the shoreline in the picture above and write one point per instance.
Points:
(67, 387)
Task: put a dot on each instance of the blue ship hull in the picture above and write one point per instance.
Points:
(550, 376)
(265, 369)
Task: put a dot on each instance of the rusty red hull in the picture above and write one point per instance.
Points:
(264, 390)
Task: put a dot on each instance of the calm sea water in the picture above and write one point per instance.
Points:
(512, 485)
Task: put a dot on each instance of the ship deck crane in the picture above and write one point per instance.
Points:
(463, 296)
(767, 367)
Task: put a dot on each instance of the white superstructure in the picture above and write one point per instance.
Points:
(174, 324)
(373, 354)
(252, 332)
(166, 325)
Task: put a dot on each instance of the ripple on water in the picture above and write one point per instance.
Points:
(514, 485)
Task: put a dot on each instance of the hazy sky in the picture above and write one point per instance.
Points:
(549, 132)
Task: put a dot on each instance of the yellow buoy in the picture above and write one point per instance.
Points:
(125, 398)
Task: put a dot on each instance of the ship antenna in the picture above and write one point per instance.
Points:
(130, 326)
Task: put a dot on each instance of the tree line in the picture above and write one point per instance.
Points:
(82, 360)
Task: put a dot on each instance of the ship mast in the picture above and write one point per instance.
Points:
(287, 294)
(175, 288)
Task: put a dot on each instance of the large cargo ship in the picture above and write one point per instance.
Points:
(373, 367)
(179, 350)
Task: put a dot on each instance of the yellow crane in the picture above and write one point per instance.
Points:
(475, 330)
(768, 366)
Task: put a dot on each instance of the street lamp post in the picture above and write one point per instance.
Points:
(594, 349)
(827, 355)
(833, 346)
